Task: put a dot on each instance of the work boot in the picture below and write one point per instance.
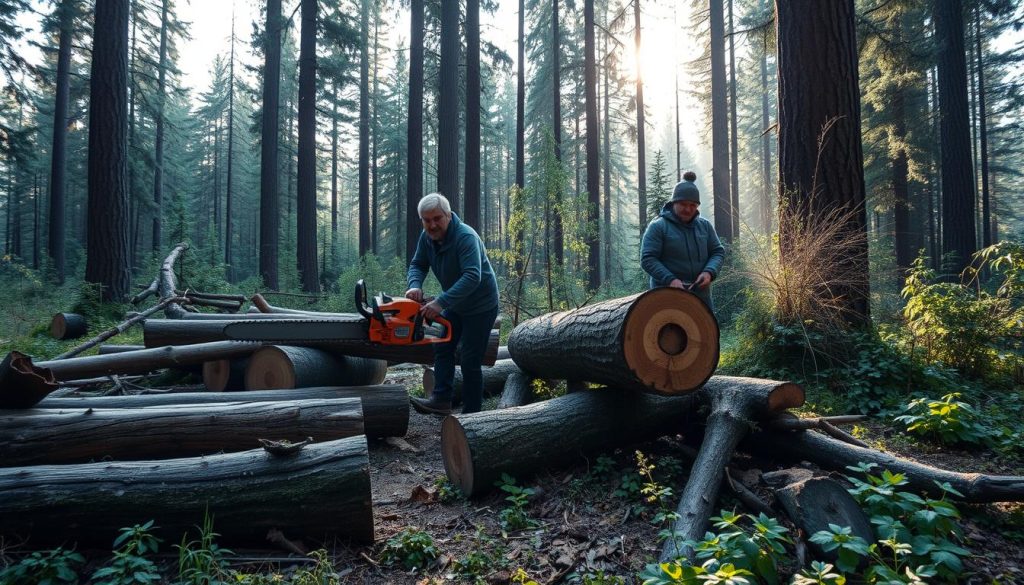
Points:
(431, 405)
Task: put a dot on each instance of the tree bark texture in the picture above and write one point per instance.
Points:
(448, 106)
(225, 375)
(306, 205)
(593, 166)
(49, 437)
(365, 241)
(58, 165)
(663, 340)
(471, 185)
(821, 162)
(494, 379)
(385, 407)
(269, 212)
(816, 502)
(107, 262)
(719, 124)
(286, 367)
(837, 455)
(68, 326)
(321, 493)
(518, 390)
(147, 360)
(414, 171)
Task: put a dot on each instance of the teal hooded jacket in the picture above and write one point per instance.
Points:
(673, 249)
(460, 263)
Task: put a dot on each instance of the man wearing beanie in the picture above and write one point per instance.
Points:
(680, 248)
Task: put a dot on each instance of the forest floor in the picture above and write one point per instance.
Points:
(592, 519)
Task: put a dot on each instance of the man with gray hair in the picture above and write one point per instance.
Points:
(456, 255)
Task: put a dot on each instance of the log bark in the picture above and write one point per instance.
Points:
(68, 326)
(112, 348)
(494, 379)
(837, 455)
(22, 383)
(815, 503)
(518, 391)
(385, 407)
(147, 360)
(477, 448)
(166, 283)
(222, 375)
(161, 332)
(284, 366)
(736, 403)
(320, 493)
(663, 341)
(45, 437)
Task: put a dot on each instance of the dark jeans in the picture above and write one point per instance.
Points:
(473, 331)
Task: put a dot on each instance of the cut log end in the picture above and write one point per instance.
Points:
(67, 326)
(671, 341)
(786, 395)
(458, 459)
(216, 374)
(270, 368)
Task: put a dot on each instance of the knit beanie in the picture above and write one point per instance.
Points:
(686, 190)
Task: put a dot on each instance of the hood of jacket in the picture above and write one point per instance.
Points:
(668, 214)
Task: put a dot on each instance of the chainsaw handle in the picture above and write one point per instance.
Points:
(418, 331)
(361, 305)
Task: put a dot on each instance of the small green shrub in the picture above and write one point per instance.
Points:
(130, 565)
(411, 547)
(947, 420)
(819, 574)
(446, 491)
(514, 516)
(202, 561)
(44, 568)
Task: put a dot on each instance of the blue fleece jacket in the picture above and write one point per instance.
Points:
(673, 249)
(459, 262)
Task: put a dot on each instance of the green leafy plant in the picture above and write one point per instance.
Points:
(484, 558)
(514, 516)
(445, 490)
(600, 578)
(947, 420)
(321, 573)
(202, 561)
(411, 547)
(44, 568)
(130, 565)
(819, 574)
(849, 548)
(684, 574)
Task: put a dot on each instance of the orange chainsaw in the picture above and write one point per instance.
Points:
(398, 320)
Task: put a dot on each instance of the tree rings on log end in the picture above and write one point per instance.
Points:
(68, 326)
(670, 341)
(270, 368)
(458, 459)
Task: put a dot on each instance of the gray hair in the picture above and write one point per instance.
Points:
(433, 201)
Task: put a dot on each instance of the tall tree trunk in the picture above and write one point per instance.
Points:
(365, 243)
(448, 106)
(374, 132)
(107, 261)
(229, 259)
(607, 157)
(556, 129)
(158, 155)
(900, 187)
(593, 166)
(519, 236)
(269, 204)
(986, 207)
(958, 189)
(134, 211)
(58, 165)
(414, 170)
(334, 172)
(306, 197)
(819, 94)
(720, 125)
(734, 169)
(766, 146)
(641, 145)
(471, 203)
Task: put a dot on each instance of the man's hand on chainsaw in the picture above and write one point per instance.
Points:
(431, 310)
(415, 294)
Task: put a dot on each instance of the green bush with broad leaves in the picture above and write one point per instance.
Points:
(515, 516)
(131, 565)
(411, 547)
(947, 420)
(51, 567)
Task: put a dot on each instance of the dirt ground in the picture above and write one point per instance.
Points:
(591, 520)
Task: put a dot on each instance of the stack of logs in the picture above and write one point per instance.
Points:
(81, 468)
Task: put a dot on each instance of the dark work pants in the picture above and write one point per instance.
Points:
(473, 331)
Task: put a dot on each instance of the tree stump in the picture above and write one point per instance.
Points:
(284, 366)
(68, 326)
(42, 436)
(321, 492)
(815, 503)
(663, 341)
(385, 407)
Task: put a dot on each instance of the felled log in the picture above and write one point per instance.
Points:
(68, 326)
(22, 383)
(503, 353)
(146, 360)
(166, 283)
(736, 403)
(812, 504)
(663, 341)
(385, 407)
(837, 455)
(320, 493)
(477, 448)
(225, 375)
(494, 379)
(161, 332)
(518, 390)
(112, 348)
(44, 436)
(283, 366)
